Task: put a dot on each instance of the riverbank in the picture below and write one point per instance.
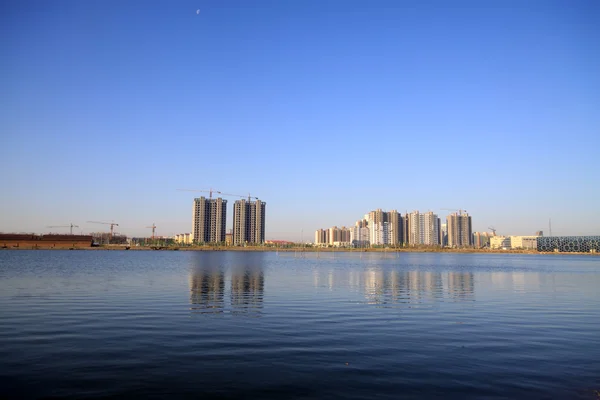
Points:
(296, 249)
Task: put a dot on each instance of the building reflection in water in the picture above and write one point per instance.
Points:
(461, 285)
(516, 281)
(391, 286)
(247, 289)
(207, 286)
(207, 282)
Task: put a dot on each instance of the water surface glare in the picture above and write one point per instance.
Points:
(97, 324)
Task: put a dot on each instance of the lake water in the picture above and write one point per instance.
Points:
(156, 324)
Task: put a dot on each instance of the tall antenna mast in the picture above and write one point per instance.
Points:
(550, 225)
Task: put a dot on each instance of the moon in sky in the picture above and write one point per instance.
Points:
(197, 11)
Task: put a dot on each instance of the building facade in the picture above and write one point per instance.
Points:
(481, 239)
(360, 236)
(523, 242)
(208, 220)
(393, 223)
(333, 235)
(396, 228)
(380, 234)
(249, 222)
(459, 230)
(424, 229)
(569, 244)
(500, 242)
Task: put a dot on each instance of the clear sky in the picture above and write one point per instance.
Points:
(323, 109)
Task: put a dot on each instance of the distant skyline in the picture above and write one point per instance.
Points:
(324, 110)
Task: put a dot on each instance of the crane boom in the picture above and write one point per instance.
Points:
(211, 191)
(112, 225)
(460, 210)
(239, 195)
(153, 228)
(64, 226)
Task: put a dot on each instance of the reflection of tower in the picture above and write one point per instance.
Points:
(461, 285)
(393, 286)
(419, 285)
(247, 288)
(206, 289)
(374, 285)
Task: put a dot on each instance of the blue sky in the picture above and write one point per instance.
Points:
(324, 109)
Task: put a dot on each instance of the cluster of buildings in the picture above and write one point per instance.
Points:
(539, 242)
(391, 228)
(209, 220)
(377, 228)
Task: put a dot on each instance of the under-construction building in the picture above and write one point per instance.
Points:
(248, 222)
(209, 219)
(459, 230)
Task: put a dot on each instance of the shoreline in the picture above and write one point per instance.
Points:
(297, 250)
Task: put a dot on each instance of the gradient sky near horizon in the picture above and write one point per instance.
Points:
(323, 109)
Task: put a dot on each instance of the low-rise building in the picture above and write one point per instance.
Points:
(342, 244)
(481, 239)
(183, 238)
(523, 242)
(500, 242)
(583, 244)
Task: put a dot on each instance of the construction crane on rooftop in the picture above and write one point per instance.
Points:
(242, 196)
(153, 228)
(460, 211)
(112, 225)
(211, 191)
(491, 228)
(64, 226)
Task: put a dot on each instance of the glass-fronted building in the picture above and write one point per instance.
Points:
(569, 244)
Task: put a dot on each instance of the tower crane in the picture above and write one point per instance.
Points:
(491, 228)
(242, 196)
(64, 226)
(460, 211)
(210, 191)
(112, 225)
(153, 228)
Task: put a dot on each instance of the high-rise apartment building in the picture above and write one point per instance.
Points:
(248, 222)
(394, 227)
(379, 233)
(444, 235)
(377, 217)
(359, 236)
(396, 222)
(333, 236)
(209, 219)
(424, 229)
(459, 230)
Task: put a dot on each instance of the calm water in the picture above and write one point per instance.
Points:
(265, 325)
